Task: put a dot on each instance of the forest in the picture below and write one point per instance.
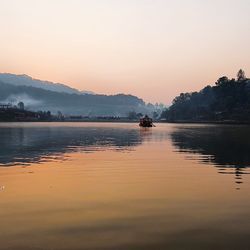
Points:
(227, 100)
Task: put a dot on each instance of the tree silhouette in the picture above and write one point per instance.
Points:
(228, 100)
(222, 80)
(241, 75)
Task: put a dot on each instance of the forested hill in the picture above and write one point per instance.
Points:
(227, 100)
(92, 105)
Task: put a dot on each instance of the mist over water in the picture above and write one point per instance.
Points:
(115, 186)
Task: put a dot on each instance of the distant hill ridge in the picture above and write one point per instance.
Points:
(25, 80)
(37, 99)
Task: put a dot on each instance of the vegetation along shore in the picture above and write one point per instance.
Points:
(228, 101)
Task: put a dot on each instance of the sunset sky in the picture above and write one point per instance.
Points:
(154, 49)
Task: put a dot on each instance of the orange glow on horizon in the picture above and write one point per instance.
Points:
(151, 49)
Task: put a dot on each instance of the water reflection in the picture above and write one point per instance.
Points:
(29, 144)
(226, 147)
(151, 198)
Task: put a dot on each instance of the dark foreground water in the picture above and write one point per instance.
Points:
(93, 186)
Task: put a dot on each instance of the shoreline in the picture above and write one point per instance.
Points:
(226, 122)
(132, 121)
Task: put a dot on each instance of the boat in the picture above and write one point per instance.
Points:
(146, 122)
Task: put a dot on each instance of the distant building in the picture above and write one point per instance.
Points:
(5, 106)
(20, 105)
(60, 115)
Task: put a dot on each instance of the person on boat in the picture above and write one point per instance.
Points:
(146, 122)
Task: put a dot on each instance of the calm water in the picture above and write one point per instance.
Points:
(83, 186)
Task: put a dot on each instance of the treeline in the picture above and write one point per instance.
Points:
(227, 100)
(16, 115)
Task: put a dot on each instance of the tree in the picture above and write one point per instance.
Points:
(139, 115)
(132, 115)
(155, 115)
(222, 80)
(241, 75)
(164, 114)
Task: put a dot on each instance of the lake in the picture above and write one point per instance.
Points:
(104, 186)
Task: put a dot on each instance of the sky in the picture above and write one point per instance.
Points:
(154, 49)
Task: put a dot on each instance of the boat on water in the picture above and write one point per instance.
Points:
(146, 122)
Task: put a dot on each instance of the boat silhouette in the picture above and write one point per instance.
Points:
(146, 122)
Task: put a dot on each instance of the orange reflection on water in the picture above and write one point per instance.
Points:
(148, 198)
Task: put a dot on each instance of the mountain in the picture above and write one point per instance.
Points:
(71, 103)
(25, 80)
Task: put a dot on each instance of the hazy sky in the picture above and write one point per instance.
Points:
(151, 48)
